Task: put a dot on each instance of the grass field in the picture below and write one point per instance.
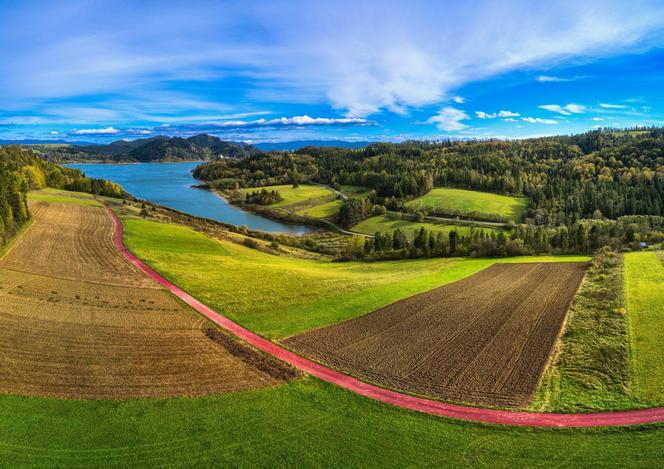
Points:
(60, 196)
(303, 424)
(325, 210)
(277, 295)
(294, 196)
(644, 284)
(471, 202)
(385, 224)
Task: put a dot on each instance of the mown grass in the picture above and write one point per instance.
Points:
(644, 284)
(277, 296)
(325, 210)
(293, 196)
(303, 424)
(385, 224)
(471, 202)
(64, 197)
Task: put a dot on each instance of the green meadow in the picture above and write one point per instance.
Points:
(467, 202)
(277, 296)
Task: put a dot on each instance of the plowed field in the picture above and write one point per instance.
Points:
(484, 339)
(79, 321)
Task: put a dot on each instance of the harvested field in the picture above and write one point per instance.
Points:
(78, 321)
(484, 339)
(73, 242)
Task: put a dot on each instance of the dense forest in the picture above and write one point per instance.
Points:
(598, 179)
(156, 149)
(22, 170)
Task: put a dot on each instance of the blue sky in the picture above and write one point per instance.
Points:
(276, 71)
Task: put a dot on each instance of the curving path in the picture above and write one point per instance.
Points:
(494, 416)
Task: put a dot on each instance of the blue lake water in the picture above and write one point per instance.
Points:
(169, 184)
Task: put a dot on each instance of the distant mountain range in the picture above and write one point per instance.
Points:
(156, 149)
(164, 149)
(297, 144)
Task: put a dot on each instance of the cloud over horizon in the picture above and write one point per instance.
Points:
(141, 64)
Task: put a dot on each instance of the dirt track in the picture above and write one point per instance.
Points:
(442, 409)
(78, 320)
(484, 339)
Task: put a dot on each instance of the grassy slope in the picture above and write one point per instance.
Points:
(325, 210)
(384, 223)
(279, 296)
(465, 201)
(64, 197)
(304, 424)
(294, 196)
(644, 281)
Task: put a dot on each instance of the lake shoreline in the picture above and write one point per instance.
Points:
(172, 185)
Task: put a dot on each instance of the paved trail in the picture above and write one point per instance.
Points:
(494, 416)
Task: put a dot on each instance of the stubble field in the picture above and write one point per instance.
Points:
(78, 321)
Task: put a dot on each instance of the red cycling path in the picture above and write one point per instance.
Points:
(454, 411)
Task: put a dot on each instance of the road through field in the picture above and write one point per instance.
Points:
(493, 416)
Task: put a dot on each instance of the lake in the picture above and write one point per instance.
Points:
(169, 184)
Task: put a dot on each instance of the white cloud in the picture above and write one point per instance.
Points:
(539, 120)
(554, 79)
(508, 114)
(459, 100)
(493, 115)
(415, 55)
(548, 78)
(510, 119)
(54, 132)
(449, 118)
(612, 106)
(598, 119)
(104, 131)
(295, 121)
(566, 110)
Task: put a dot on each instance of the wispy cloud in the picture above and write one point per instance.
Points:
(416, 55)
(539, 120)
(449, 119)
(104, 131)
(554, 79)
(566, 110)
(459, 100)
(612, 106)
(493, 115)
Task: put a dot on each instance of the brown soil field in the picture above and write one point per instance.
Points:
(485, 339)
(78, 321)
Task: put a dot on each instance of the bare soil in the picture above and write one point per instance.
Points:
(485, 339)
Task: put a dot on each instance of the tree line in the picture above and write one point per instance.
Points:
(21, 170)
(583, 237)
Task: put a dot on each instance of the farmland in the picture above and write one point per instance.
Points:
(468, 203)
(78, 321)
(319, 424)
(386, 224)
(295, 294)
(483, 339)
(644, 281)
